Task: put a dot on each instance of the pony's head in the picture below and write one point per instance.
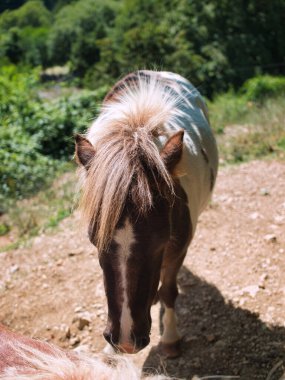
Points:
(128, 191)
(131, 257)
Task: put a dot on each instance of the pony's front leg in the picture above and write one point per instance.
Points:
(170, 340)
(170, 333)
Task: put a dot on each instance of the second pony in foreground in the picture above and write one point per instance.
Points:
(149, 164)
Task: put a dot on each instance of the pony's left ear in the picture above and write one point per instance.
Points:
(84, 151)
(171, 153)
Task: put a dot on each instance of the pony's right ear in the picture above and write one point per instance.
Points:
(84, 151)
(172, 151)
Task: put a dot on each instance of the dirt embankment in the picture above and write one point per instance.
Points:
(232, 285)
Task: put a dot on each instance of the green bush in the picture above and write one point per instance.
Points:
(235, 107)
(36, 136)
(24, 32)
(262, 87)
(34, 43)
(32, 14)
(23, 169)
(76, 30)
(54, 123)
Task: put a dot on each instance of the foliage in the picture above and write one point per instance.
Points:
(36, 141)
(204, 41)
(36, 134)
(215, 45)
(32, 14)
(76, 31)
(4, 229)
(24, 34)
(54, 123)
(10, 4)
(262, 87)
(33, 43)
(23, 169)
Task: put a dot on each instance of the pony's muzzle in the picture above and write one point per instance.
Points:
(142, 342)
(133, 348)
(127, 347)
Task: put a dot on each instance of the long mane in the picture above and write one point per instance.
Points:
(59, 365)
(127, 161)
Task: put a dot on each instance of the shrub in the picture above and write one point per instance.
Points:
(76, 29)
(23, 33)
(32, 14)
(36, 135)
(54, 123)
(262, 87)
(23, 169)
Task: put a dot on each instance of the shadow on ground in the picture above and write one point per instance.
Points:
(220, 339)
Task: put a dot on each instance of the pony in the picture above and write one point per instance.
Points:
(24, 358)
(147, 168)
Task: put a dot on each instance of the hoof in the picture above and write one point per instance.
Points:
(170, 350)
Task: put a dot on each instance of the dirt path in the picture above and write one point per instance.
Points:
(232, 284)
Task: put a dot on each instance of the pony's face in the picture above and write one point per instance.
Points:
(131, 260)
(131, 267)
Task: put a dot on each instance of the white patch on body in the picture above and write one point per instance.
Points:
(125, 237)
(191, 114)
(170, 331)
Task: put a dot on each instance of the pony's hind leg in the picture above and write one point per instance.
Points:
(170, 340)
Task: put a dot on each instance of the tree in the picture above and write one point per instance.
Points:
(10, 4)
(33, 14)
(76, 30)
(12, 45)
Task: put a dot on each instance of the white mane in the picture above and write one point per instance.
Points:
(125, 138)
(58, 366)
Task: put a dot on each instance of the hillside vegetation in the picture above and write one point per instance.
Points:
(59, 57)
(214, 43)
(37, 141)
(36, 134)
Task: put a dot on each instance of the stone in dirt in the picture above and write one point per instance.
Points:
(82, 320)
(271, 238)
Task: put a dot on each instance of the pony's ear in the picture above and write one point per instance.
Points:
(84, 151)
(171, 153)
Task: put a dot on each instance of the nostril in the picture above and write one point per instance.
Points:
(143, 341)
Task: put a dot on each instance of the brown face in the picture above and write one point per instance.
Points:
(131, 267)
(132, 260)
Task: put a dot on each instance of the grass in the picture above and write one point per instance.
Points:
(41, 213)
(247, 130)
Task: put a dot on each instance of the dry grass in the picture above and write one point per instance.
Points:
(32, 216)
(247, 130)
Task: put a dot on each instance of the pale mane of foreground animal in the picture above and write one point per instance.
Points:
(126, 157)
(56, 365)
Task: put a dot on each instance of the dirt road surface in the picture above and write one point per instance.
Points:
(231, 307)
